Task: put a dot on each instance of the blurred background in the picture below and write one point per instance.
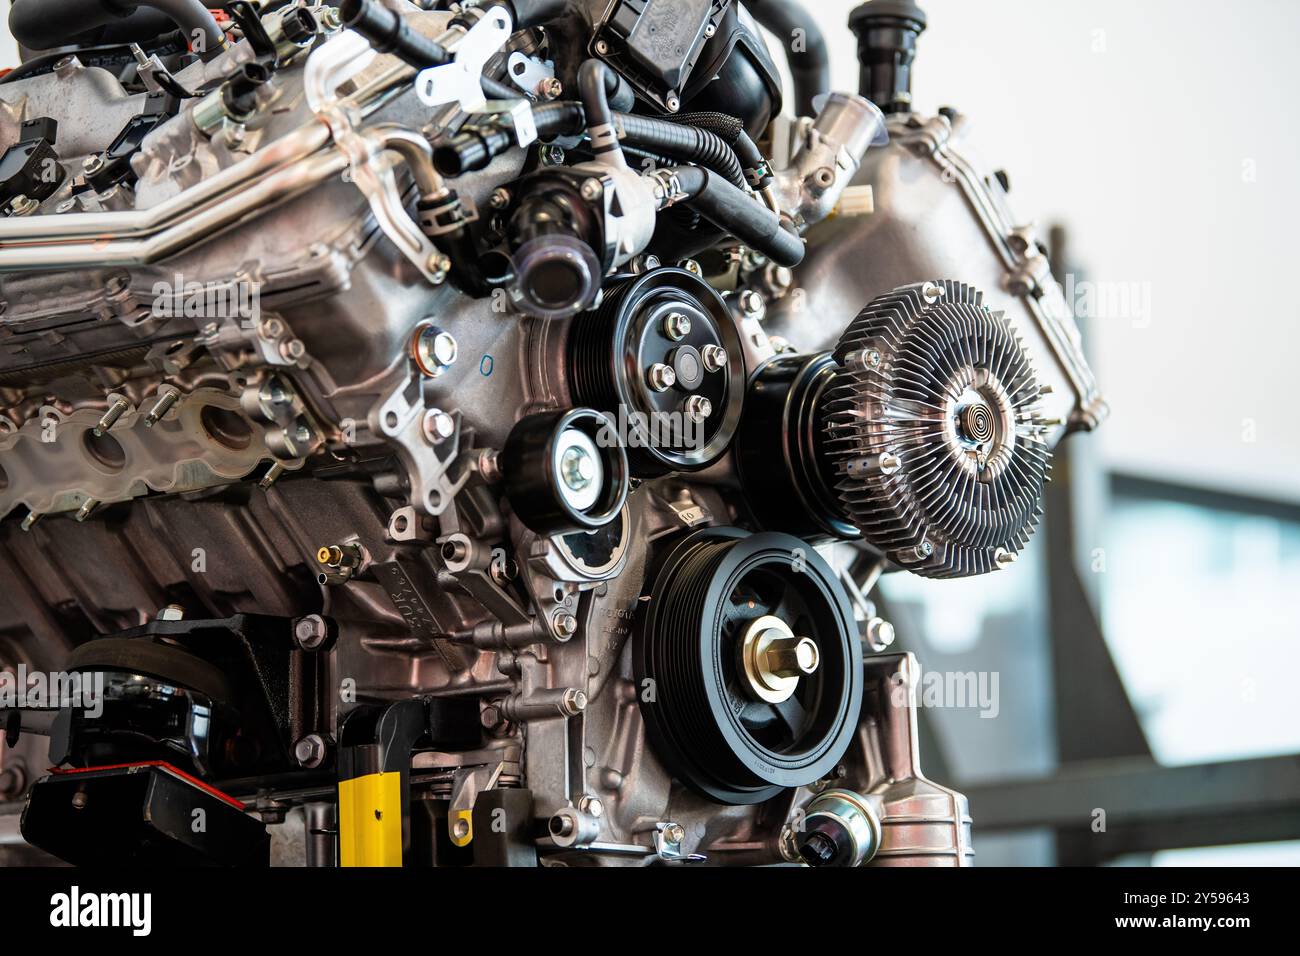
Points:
(1146, 645)
(1146, 648)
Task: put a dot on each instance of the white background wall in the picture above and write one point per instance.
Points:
(1163, 133)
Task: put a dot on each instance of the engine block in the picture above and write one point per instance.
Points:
(477, 431)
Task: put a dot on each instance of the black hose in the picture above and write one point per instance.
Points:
(52, 22)
(729, 208)
(534, 13)
(810, 67)
(388, 32)
(474, 149)
(593, 76)
(731, 130)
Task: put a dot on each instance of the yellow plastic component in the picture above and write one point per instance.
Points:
(370, 820)
(467, 833)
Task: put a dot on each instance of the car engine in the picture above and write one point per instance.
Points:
(472, 433)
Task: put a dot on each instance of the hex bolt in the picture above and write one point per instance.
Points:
(310, 750)
(752, 304)
(677, 325)
(172, 612)
(674, 833)
(564, 625)
(500, 198)
(438, 426)
(661, 377)
(310, 632)
(84, 511)
(115, 411)
(715, 358)
(92, 164)
(880, 634)
(167, 397)
(23, 205)
(550, 88)
(1004, 558)
(573, 702)
(30, 520)
(592, 189)
(434, 350)
(792, 656)
(698, 408)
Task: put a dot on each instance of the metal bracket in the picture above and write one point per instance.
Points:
(461, 80)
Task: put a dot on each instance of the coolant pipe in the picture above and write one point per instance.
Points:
(728, 208)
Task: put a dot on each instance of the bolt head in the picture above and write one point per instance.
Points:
(172, 612)
(310, 751)
(752, 304)
(310, 632)
(564, 626)
(674, 833)
(662, 377)
(698, 408)
(880, 634)
(677, 325)
(434, 350)
(438, 426)
(592, 189)
(715, 358)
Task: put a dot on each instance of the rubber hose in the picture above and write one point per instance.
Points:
(810, 67)
(592, 80)
(682, 143)
(47, 24)
(473, 149)
(534, 13)
(731, 209)
(388, 32)
(731, 130)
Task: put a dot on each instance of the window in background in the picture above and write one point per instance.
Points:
(1198, 606)
(993, 626)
